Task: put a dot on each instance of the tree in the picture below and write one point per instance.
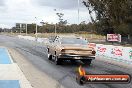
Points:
(61, 20)
(111, 14)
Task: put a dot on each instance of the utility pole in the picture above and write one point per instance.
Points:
(55, 25)
(26, 28)
(36, 28)
(78, 11)
(20, 28)
(55, 28)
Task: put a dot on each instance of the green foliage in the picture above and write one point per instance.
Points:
(116, 14)
(50, 28)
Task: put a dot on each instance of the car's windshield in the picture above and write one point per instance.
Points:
(74, 41)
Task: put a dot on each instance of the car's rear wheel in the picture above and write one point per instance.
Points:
(87, 61)
(49, 57)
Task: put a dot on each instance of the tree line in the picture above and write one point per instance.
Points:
(50, 28)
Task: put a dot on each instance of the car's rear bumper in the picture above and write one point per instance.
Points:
(76, 57)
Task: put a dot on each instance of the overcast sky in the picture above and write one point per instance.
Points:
(25, 11)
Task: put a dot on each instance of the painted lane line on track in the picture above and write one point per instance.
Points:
(9, 56)
(4, 57)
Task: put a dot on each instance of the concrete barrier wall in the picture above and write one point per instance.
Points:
(40, 40)
(27, 37)
(115, 52)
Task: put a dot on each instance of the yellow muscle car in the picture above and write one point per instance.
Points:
(70, 48)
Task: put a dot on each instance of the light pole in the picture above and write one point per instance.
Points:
(55, 28)
(20, 28)
(36, 28)
(55, 24)
(26, 28)
(78, 10)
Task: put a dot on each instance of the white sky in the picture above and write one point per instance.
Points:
(25, 11)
